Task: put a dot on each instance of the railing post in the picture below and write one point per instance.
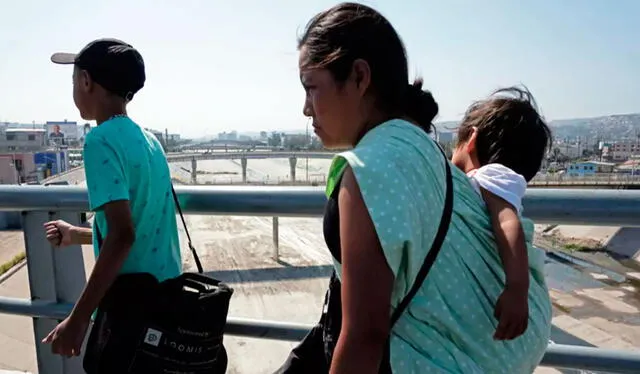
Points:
(55, 275)
(70, 280)
(276, 239)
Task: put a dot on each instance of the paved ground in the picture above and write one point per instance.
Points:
(224, 243)
(11, 244)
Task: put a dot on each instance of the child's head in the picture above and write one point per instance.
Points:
(506, 129)
(107, 73)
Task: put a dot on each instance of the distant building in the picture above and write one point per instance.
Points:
(233, 135)
(631, 167)
(158, 134)
(18, 167)
(21, 139)
(624, 150)
(586, 168)
(568, 150)
(445, 136)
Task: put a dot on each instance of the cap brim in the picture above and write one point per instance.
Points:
(63, 58)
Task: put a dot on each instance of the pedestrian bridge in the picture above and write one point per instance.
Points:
(56, 278)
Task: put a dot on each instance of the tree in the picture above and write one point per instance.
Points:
(275, 140)
(296, 141)
(315, 143)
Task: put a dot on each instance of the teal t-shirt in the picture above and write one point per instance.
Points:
(122, 161)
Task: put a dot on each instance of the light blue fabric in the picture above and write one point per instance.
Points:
(125, 162)
(449, 326)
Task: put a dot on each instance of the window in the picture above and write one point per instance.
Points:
(31, 137)
(11, 137)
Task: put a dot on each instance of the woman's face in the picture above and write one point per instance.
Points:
(333, 106)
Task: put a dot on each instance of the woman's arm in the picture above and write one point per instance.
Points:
(367, 282)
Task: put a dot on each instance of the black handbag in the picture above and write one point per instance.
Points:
(314, 354)
(175, 326)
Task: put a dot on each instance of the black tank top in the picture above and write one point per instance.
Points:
(331, 320)
(331, 223)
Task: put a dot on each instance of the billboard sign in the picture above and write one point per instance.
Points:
(61, 133)
(55, 162)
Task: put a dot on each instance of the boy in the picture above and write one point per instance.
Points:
(501, 144)
(129, 185)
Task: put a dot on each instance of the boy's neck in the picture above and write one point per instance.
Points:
(105, 112)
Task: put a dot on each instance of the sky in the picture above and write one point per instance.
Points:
(215, 65)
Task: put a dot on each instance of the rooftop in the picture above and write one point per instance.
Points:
(30, 131)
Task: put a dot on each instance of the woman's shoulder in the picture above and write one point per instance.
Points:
(395, 131)
(392, 143)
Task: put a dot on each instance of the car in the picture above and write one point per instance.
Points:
(57, 183)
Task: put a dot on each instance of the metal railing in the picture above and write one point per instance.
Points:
(596, 179)
(56, 278)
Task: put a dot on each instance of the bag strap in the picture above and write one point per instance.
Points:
(435, 247)
(186, 230)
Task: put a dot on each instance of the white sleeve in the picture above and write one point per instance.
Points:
(503, 182)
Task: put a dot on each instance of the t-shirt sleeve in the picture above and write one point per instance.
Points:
(105, 173)
(502, 182)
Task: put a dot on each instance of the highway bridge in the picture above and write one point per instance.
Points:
(596, 181)
(188, 156)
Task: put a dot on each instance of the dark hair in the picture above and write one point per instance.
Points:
(336, 37)
(510, 131)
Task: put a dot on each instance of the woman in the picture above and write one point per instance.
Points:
(386, 201)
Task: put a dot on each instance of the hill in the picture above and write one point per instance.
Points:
(613, 127)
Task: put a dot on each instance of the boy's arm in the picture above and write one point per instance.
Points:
(113, 253)
(510, 239)
(108, 192)
(81, 235)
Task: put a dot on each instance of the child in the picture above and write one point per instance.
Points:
(501, 144)
(129, 185)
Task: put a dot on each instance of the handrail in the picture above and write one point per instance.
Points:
(552, 206)
(557, 355)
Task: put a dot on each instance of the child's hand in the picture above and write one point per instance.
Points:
(512, 312)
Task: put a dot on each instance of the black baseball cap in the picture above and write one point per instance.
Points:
(112, 63)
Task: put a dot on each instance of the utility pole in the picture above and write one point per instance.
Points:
(166, 138)
(308, 143)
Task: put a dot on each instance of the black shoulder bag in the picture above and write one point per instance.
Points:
(176, 326)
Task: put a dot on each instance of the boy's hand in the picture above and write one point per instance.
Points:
(66, 339)
(59, 233)
(512, 313)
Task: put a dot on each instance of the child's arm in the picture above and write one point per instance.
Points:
(512, 307)
(510, 239)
